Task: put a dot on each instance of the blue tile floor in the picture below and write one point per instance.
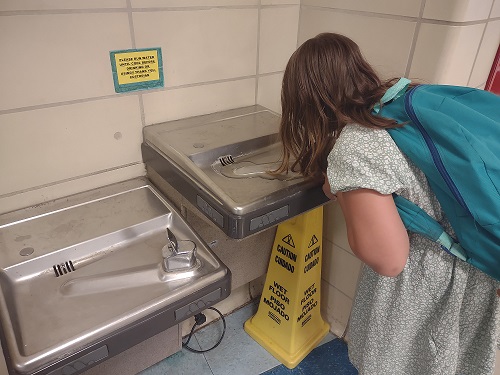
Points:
(239, 354)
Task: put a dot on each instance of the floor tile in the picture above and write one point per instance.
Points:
(238, 353)
(182, 362)
(326, 359)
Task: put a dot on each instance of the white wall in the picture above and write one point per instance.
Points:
(63, 129)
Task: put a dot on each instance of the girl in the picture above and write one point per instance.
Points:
(417, 310)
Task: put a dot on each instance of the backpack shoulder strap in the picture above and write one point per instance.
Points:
(418, 221)
(394, 92)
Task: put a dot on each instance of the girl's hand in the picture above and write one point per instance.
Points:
(327, 190)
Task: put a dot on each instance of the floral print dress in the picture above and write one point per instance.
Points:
(440, 316)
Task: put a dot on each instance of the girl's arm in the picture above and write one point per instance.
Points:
(375, 231)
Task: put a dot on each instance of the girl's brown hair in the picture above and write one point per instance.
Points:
(327, 84)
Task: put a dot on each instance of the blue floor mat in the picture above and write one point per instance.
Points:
(329, 358)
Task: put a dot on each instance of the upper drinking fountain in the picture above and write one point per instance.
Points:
(221, 162)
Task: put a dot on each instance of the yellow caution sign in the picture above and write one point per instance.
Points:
(288, 322)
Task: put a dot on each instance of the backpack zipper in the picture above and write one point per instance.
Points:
(434, 152)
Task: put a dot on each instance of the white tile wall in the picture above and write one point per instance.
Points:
(386, 50)
(457, 10)
(445, 54)
(15, 5)
(269, 91)
(59, 143)
(189, 3)
(340, 268)
(279, 2)
(495, 11)
(58, 189)
(278, 37)
(58, 57)
(335, 307)
(486, 54)
(201, 45)
(409, 8)
(334, 227)
(160, 106)
(60, 84)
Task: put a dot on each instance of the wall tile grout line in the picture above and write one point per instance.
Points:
(42, 12)
(34, 188)
(481, 42)
(399, 17)
(415, 38)
(133, 93)
(259, 16)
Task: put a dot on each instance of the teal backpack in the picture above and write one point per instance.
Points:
(453, 135)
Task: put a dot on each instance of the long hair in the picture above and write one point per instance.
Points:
(327, 84)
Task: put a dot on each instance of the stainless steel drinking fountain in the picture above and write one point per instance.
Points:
(86, 277)
(220, 163)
